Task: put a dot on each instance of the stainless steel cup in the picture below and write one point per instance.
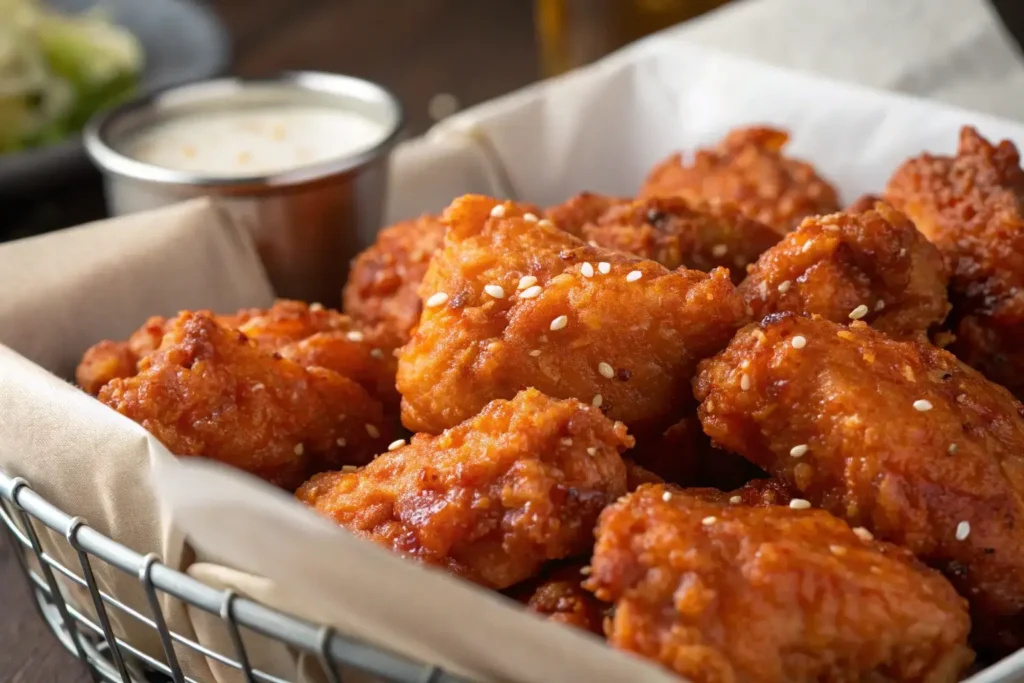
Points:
(307, 223)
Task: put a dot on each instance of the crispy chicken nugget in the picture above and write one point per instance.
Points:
(677, 232)
(512, 303)
(897, 437)
(723, 592)
(748, 169)
(491, 499)
(558, 595)
(382, 291)
(872, 265)
(972, 207)
(209, 391)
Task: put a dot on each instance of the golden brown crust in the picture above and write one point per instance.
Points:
(640, 325)
(831, 265)
(970, 206)
(581, 209)
(491, 499)
(103, 362)
(558, 595)
(209, 391)
(723, 592)
(382, 291)
(748, 169)
(897, 437)
(677, 232)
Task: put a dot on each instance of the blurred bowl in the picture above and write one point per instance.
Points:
(182, 41)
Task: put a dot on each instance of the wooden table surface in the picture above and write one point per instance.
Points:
(471, 49)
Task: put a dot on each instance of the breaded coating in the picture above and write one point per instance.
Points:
(971, 207)
(382, 291)
(209, 391)
(897, 437)
(873, 266)
(103, 362)
(512, 303)
(748, 169)
(558, 595)
(722, 592)
(491, 499)
(582, 209)
(678, 232)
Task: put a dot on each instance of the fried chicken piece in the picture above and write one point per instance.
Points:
(582, 209)
(558, 596)
(728, 592)
(677, 232)
(748, 169)
(873, 265)
(512, 303)
(972, 207)
(897, 437)
(491, 499)
(103, 362)
(383, 283)
(209, 391)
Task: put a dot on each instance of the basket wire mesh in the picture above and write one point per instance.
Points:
(112, 659)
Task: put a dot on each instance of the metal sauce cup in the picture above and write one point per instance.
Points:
(307, 222)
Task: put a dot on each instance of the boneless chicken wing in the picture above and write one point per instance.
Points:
(897, 437)
(720, 592)
(491, 499)
(209, 391)
(972, 207)
(382, 291)
(513, 303)
(672, 231)
(748, 169)
(872, 265)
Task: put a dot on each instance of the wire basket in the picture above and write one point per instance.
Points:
(109, 658)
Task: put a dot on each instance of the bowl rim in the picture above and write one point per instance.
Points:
(103, 152)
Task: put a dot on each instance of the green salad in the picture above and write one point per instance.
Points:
(57, 70)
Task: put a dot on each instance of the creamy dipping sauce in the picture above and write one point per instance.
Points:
(254, 141)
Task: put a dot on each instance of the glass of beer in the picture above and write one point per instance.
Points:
(574, 32)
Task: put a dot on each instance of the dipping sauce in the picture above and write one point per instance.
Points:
(254, 141)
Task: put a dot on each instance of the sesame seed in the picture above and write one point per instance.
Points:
(923, 405)
(529, 218)
(587, 270)
(349, 468)
(561, 277)
(559, 323)
(377, 353)
(546, 223)
(531, 292)
(798, 451)
(495, 291)
(585, 571)
(745, 382)
(526, 281)
(597, 400)
(396, 444)
(807, 246)
(859, 312)
(863, 534)
(963, 530)
(355, 336)
(258, 386)
(667, 496)
(341, 441)
(566, 441)
(606, 370)
(372, 430)
(719, 250)
(709, 520)
(879, 305)
(799, 504)
(634, 275)
(953, 448)
(763, 289)
(784, 286)
(799, 341)
(592, 450)
(837, 550)
(498, 211)
(903, 252)
(534, 353)
(299, 449)
(437, 299)
(604, 267)
(316, 306)
(736, 500)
